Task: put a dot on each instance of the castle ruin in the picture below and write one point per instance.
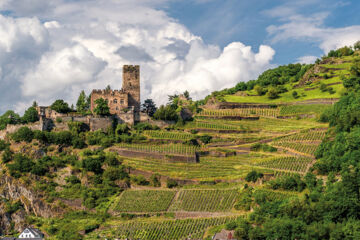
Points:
(123, 103)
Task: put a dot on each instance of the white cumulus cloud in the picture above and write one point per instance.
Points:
(57, 48)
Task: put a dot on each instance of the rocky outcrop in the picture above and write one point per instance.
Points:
(32, 201)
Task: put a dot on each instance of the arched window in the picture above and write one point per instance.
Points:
(115, 100)
(121, 101)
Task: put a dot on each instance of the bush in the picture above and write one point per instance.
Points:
(288, 183)
(205, 139)
(122, 129)
(323, 87)
(93, 164)
(72, 180)
(3, 145)
(23, 134)
(155, 180)
(262, 147)
(295, 94)
(253, 176)
(139, 180)
(58, 120)
(272, 93)
(78, 142)
(7, 156)
(22, 164)
(115, 173)
(260, 90)
(171, 183)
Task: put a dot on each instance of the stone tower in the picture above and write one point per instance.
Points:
(131, 85)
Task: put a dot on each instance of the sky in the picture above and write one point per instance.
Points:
(54, 49)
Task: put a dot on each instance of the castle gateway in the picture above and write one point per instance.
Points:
(124, 103)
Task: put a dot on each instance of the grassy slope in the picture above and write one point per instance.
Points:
(304, 95)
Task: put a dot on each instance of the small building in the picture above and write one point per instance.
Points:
(31, 234)
(224, 235)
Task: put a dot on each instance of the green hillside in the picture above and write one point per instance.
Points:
(275, 166)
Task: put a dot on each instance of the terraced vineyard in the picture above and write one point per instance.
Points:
(162, 230)
(209, 168)
(163, 149)
(297, 164)
(307, 148)
(243, 112)
(168, 135)
(144, 201)
(309, 135)
(302, 109)
(205, 200)
(212, 125)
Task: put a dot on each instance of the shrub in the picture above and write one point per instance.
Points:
(288, 183)
(205, 139)
(272, 93)
(295, 94)
(323, 87)
(92, 164)
(78, 142)
(3, 145)
(115, 173)
(72, 179)
(259, 90)
(106, 142)
(23, 134)
(253, 176)
(139, 180)
(7, 156)
(122, 129)
(22, 164)
(58, 120)
(155, 180)
(171, 183)
(262, 147)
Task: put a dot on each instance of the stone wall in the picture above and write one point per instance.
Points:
(169, 157)
(103, 123)
(117, 99)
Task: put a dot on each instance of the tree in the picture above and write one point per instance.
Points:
(272, 93)
(187, 95)
(357, 45)
(102, 107)
(60, 106)
(259, 90)
(30, 115)
(82, 105)
(166, 113)
(149, 107)
(34, 104)
(108, 88)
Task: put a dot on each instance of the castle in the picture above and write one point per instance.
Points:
(124, 104)
(125, 100)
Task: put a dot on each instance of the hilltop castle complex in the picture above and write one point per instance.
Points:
(124, 105)
(123, 100)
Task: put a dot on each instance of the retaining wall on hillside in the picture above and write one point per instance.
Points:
(194, 158)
